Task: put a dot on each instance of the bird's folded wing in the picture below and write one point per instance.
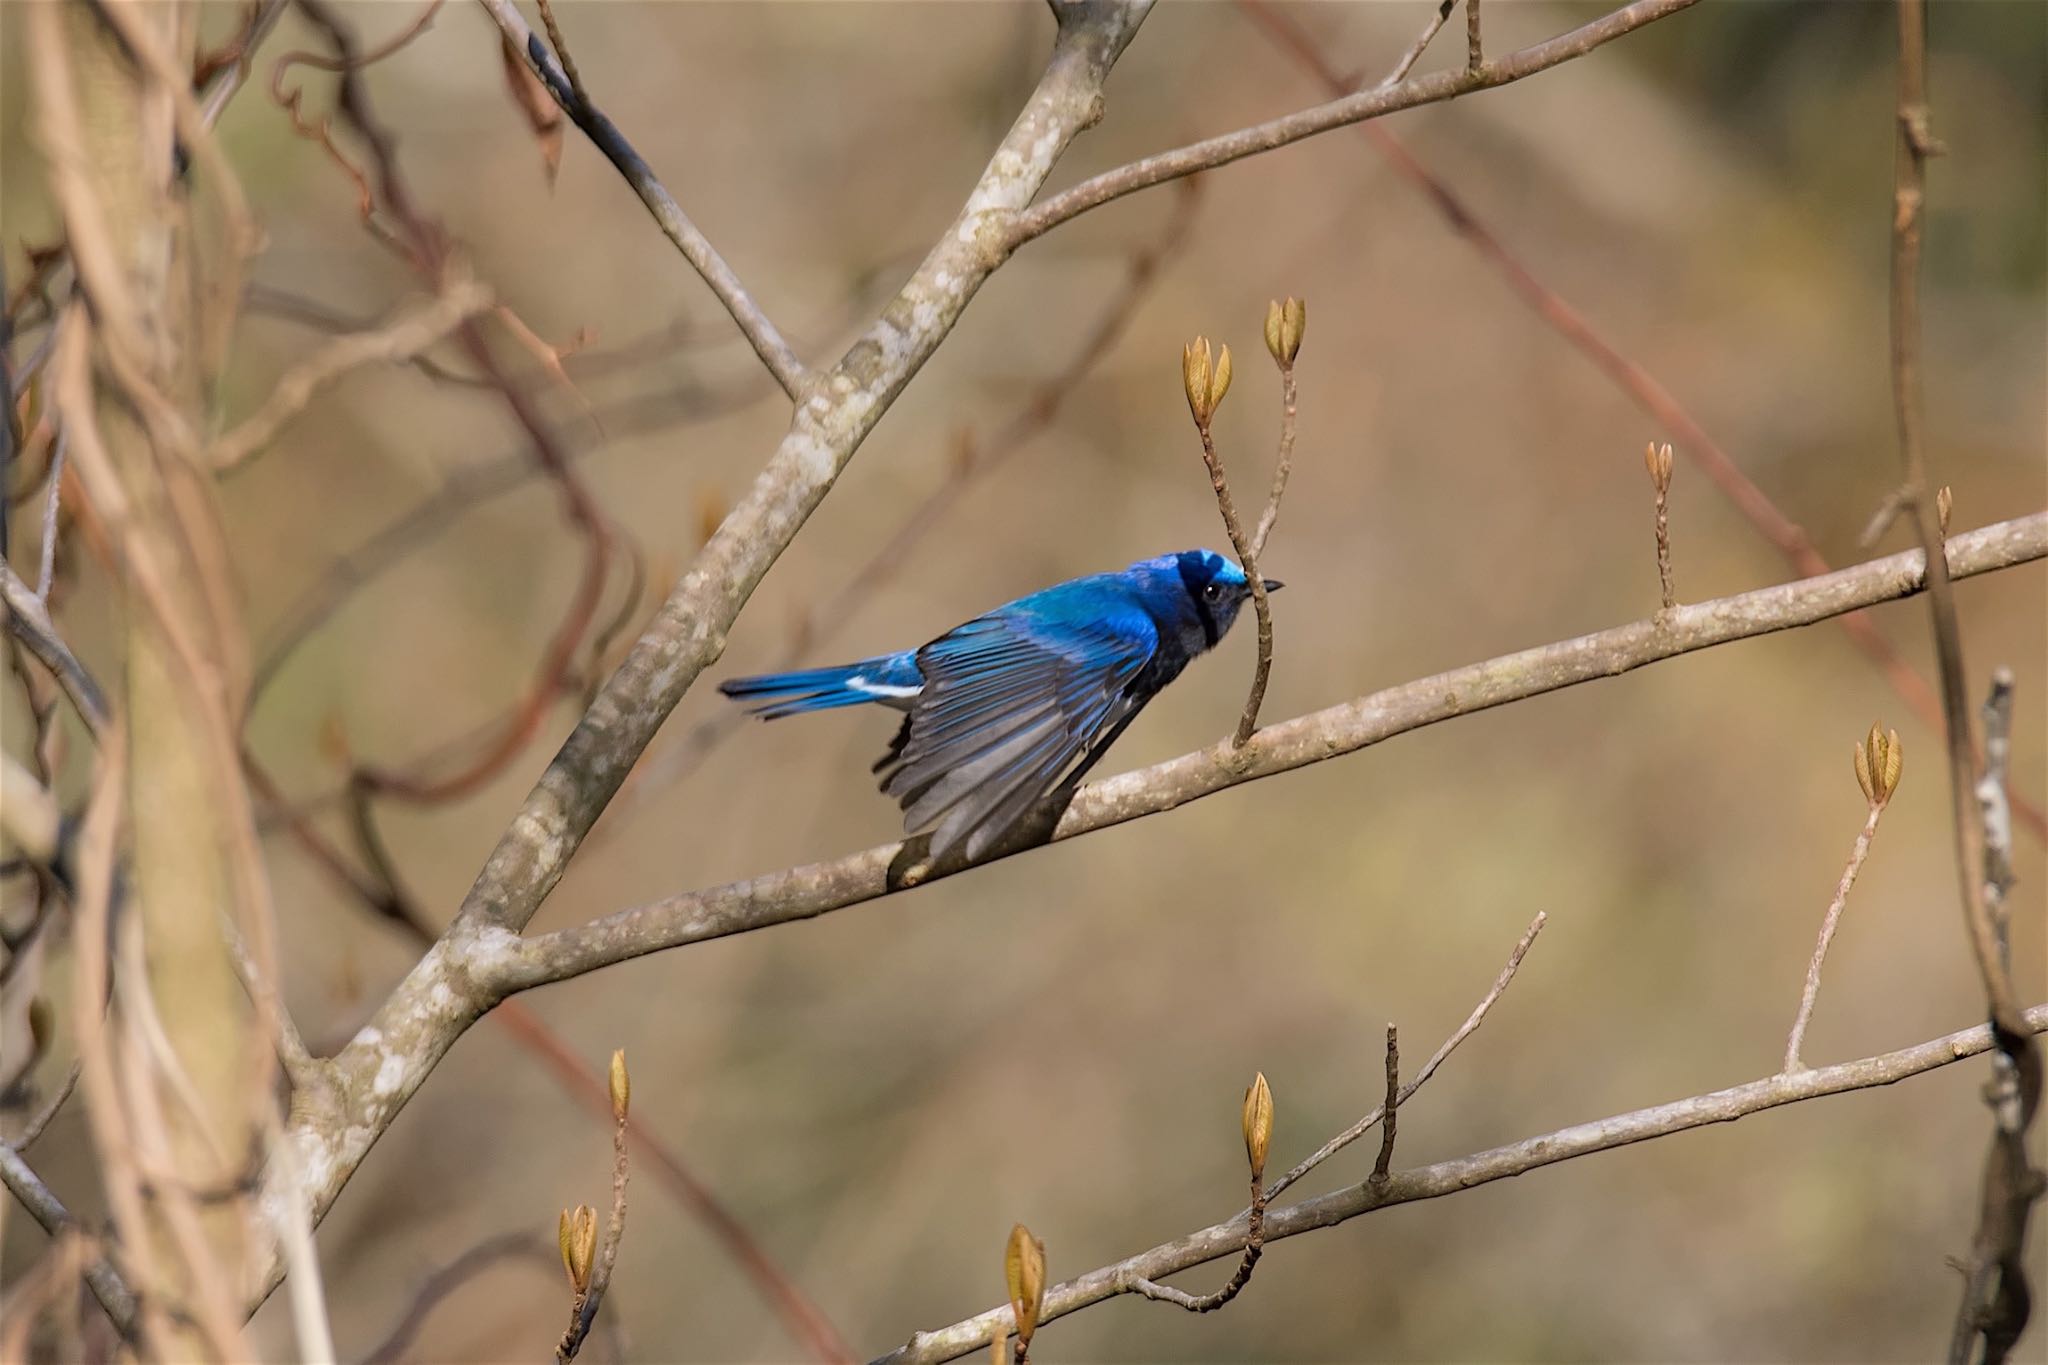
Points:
(1010, 704)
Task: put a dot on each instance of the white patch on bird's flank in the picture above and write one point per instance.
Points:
(875, 689)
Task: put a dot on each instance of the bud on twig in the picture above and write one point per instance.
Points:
(621, 1085)
(576, 1234)
(1944, 503)
(1879, 759)
(1206, 379)
(1284, 325)
(1024, 1272)
(1657, 459)
(1258, 1123)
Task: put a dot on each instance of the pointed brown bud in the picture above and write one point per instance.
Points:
(580, 1250)
(1284, 325)
(1944, 504)
(565, 1240)
(1879, 760)
(1204, 377)
(1194, 377)
(1258, 1123)
(621, 1085)
(1024, 1273)
(1657, 459)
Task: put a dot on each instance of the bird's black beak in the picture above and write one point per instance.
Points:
(1274, 585)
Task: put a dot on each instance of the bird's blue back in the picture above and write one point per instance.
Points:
(1016, 705)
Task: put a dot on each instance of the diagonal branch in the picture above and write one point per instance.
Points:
(379, 1070)
(1368, 104)
(507, 963)
(1462, 1173)
(761, 334)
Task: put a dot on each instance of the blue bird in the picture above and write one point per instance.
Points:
(1020, 703)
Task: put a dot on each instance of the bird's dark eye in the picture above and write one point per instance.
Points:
(1214, 592)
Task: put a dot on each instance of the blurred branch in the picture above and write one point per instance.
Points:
(1997, 1300)
(402, 339)
(438, 1286)
(1642, 387)
(768, 343)
(29, 621)
(1369, 104)
(49, 1212)
(508, 963)
(1450, 1177)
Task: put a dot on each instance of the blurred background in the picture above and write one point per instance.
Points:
(1063, 1038)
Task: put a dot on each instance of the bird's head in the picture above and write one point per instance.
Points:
(1216, 589)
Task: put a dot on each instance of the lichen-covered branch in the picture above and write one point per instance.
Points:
(379, 1070)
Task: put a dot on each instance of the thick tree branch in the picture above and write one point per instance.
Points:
(1449, 1177)
(1369, 104)
(381, 1068)
(505, 963)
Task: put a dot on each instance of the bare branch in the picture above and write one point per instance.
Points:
(768, 343)
(400, 340)
(1450, 1045)
(49, 1211)
(1462, 1173)
(1369, 104)
(1390, 1107)
(29, 620)
(804, 892)
(440, 998)
(1828, 924)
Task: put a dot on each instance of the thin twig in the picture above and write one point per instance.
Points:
(768, 343)
(435, 1288)
(1254, 1245)
(26, 1138)
(43, 1205)
(400, 340)
(1143, 174)
(1283, 464)
(1996, 1298)
(1390, 1108)
(1249, 558)
(46, 566)
(1443, 1178)
(30, 622)
(1475, 53)
(583, 1314)
(1829, 922)
(547, 17)
(1419, 46)
(1450, 1045)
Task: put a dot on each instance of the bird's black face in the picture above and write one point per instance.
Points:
(1219, 589)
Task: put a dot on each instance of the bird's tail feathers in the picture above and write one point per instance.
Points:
(772, 696)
